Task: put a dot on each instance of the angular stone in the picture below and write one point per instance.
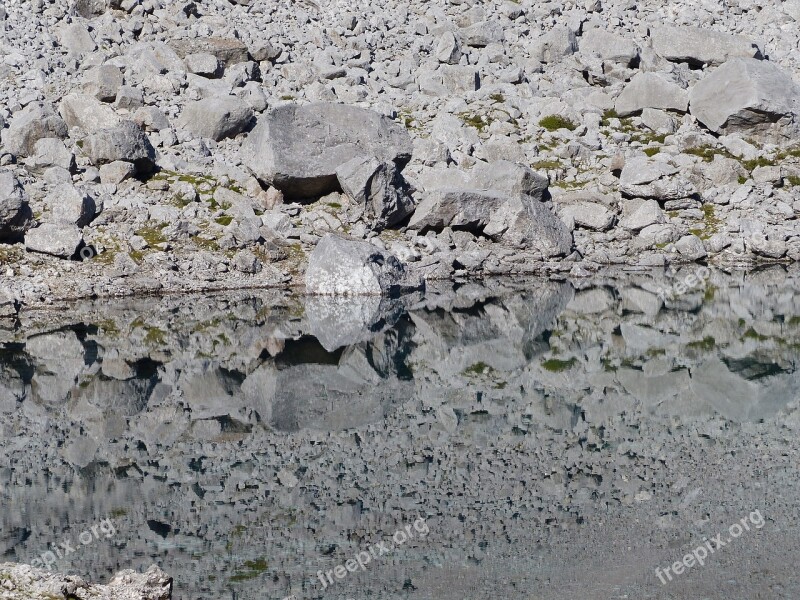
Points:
(116, 172)
(348, 267)
(50, 152)
(56, 239)
(216, 118)
(747, 95)
(448, 49)
(691, 247)
(645, 178)
(297, 149)
(125, 142)
(609, 47)
(555, 45)
(650, 90)
(589, 215)
(15, 214)
(648, 213)
(34, 122)
(228, 51)
(102, 82)
(698, 46)
(87, 113)
(203, 64)
(129, 98)
(378, 189)
(69, 205)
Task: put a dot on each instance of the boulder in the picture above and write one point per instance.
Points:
(28, 126)
(747, 95)
(228, 51)
(341, 266)
(378, 190)
(698, 46)
(87, 113)
(69, 205)
(609, 47)
(203, 64)
(448, 80)
(555, 45)
(589, 215)
(650, 90)
(61, 240)
(448, 49)
(50, 152)
(126, 142)
(216, 118)
(645, 178)
(102, 82)
(298, 149)
(15, 214)
(646, 214)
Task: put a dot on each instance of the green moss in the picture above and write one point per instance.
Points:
(335, 205)
(477, 121)
(153, 235)
(757, 162)
(707, 343)
(224, 220)
(707, 153)
(154, 336)
(478, 368)
(652, 151)
(498, 98)
(250, 570)
(546, 165)
(116, 513)
(793, 180)
(605, 121)
(709, 294)
(742, 179)
(555, 122)
(555, 365)
(205, 243)
(752, 334)
(794, 321)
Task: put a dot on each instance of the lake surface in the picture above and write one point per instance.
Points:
(533, 439)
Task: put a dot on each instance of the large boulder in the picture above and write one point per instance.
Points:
(642, 177)
(748, 95)
(342, 266)
(28, 126)
(606, 46)
(125, 142)
(228, 51)
(15, 214)
(70, 205)
(216, 118)
(298, 149)
(87, 113)
(381, 195)
(698, 46)
(649, 90)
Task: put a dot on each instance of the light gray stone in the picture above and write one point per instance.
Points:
(87, 113)
(297, 149)
(697, 46)
(691, 247)
(378, 189)
(340, 266)
(69, 205)
(608, 47)
(448, 49)
(116, 172)
(589, 215)
(15, 214)
(554, 45)
(125, 142)
(61, 240)
(50, 152)
(203, 64)
(648, 213)
(34, 122)
(650, 90)
(102, 82)
(216, 118)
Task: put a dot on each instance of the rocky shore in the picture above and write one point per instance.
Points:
(182, 146)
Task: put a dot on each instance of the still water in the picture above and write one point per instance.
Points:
(536, 439)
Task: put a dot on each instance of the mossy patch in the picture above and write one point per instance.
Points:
(556, 122)
(250, 570)
(706, 344)
(479, 368)
(555, 365)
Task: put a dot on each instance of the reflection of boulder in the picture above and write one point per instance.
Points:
(60, 359)
(342, 390)
(338, 321)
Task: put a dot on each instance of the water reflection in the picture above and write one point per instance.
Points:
(245, 441)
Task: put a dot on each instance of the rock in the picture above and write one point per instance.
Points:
(747, 95)
(87, 113)
(298, 149)
(448, 80)
(34, 122)
(102, 82)
(645, 178)
(91, 8)
(448, 49)
(480, 35)
(50, 152)
(204, 64)
(648, 213)
(608, 47)
(69, 205)
(129, 98)
(378, 189)
(116, 172)
(56, 239)
(245, 261)
(762, 246)
(227, 51)
(28, 582)
(343, 266)
(76, 39)
(691, 247)
(650, 90)
(509, 178)
(698, 46)
(126, 142)
(554, 45)
(589, 215)
(15, 214)
(216, 118)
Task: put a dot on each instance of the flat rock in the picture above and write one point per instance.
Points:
(28, 126)
(698, 46)
(126, 142)
(61, 240)
(228, 51)
(650, 90)
(87, 113)
(216, 118)
(298, 149)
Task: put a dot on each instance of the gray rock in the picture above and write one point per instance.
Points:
(203, 64)
(15, 214)
(126, 142)
(650, 90)
(216, 118)
(69, 205)
(76, 39)
(87, 113)
(228, 51)
(449, 79)
(297, 149)
(56, 239)
(691, 247)
(509, 178)
(129, 98)
(341, 266)
(102, 82)
(448, 49)
(34, 122)
(116, 172)
(747, 95)
(698, 46)
(245, 261)
(648, 213)
(480, 35)
(645, 178)
(608, 47)
(589, 215)
(50, 152)
(378, 189)
(555, 45)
